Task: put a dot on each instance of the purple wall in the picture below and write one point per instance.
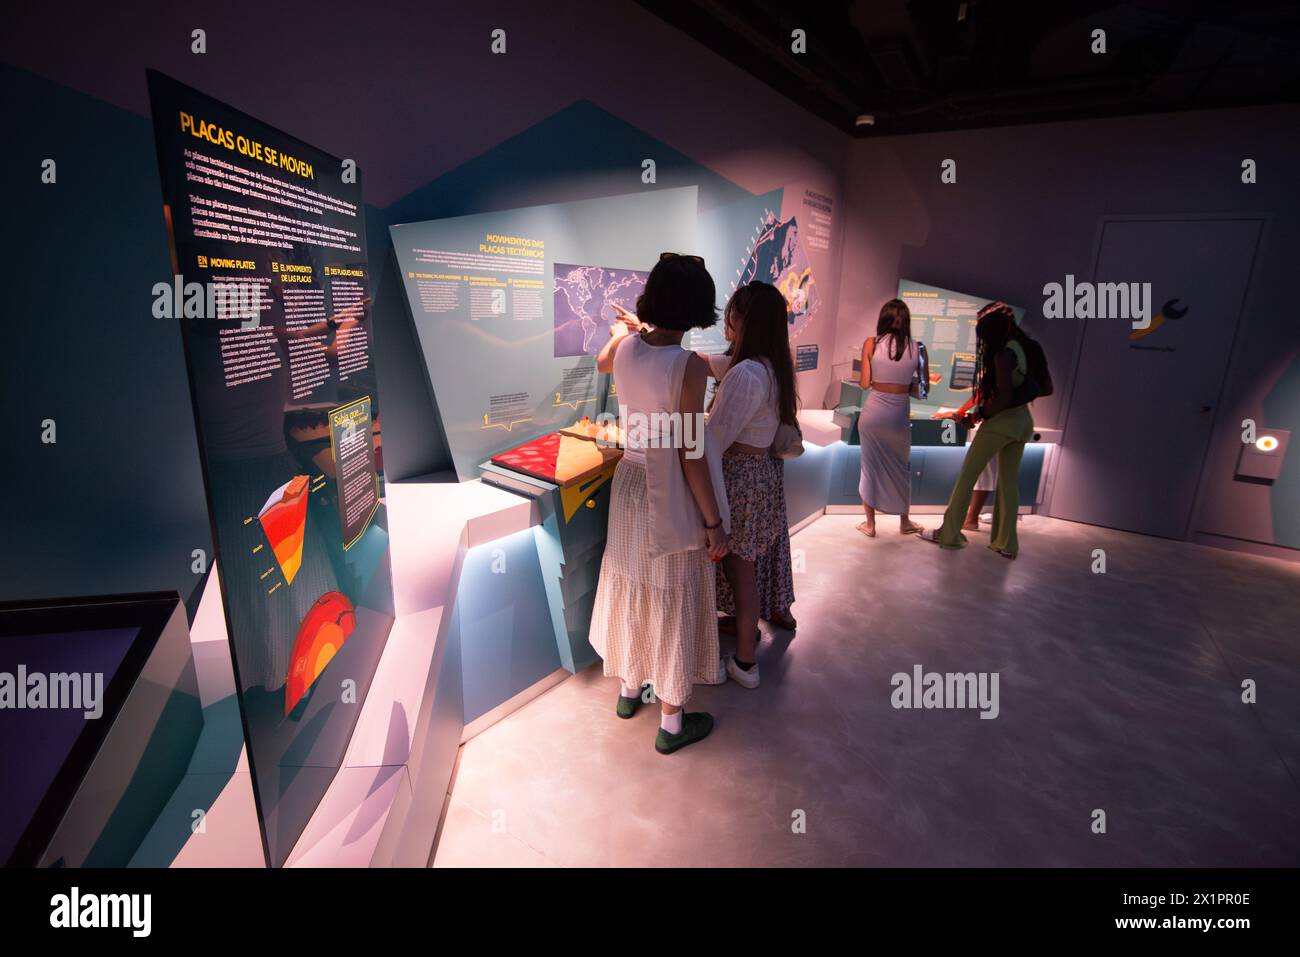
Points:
(411, 91)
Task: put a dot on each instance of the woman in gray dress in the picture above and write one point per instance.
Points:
(890, 366)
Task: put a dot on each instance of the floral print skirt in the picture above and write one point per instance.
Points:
(760, 530)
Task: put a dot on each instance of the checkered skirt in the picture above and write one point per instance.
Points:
(654, 619)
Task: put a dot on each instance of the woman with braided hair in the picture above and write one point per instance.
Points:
(1001, 365)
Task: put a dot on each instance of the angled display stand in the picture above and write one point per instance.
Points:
(93, 774)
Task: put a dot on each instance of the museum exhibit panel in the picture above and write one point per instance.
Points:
(244, 625)
(287, 410)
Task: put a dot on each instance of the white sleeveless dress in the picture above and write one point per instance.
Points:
(655, 613)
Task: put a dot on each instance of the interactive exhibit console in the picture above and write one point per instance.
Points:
(311, 715)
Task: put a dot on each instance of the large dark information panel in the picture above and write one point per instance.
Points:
(272, 291)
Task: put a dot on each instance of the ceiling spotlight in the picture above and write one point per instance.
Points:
(865, 119)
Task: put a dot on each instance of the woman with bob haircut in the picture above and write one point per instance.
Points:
(655, 615)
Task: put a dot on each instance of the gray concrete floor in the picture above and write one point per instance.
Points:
(1119, 692)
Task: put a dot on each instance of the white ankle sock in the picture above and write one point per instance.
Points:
(628, 691)
(672, 723)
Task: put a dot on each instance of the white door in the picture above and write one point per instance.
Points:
(1143, 405)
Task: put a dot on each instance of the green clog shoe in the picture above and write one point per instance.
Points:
(695, 727)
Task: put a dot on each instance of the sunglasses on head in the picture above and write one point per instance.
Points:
(699, 260)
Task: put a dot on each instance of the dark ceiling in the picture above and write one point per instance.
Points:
(928, 65)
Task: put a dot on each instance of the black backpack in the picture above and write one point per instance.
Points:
(1038, 378)
(1036, 360)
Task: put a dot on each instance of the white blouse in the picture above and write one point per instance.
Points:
(745, 409)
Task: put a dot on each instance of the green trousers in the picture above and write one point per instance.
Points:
(1003, 437)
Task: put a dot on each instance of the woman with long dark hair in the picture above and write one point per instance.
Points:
(1001, 365)
(891, 364)
(756, 394)
(655, 615)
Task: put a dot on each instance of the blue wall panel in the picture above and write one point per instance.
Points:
(503, 623)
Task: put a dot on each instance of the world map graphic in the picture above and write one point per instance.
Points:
(585, 297)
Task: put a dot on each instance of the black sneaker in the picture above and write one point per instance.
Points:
(696, 726)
